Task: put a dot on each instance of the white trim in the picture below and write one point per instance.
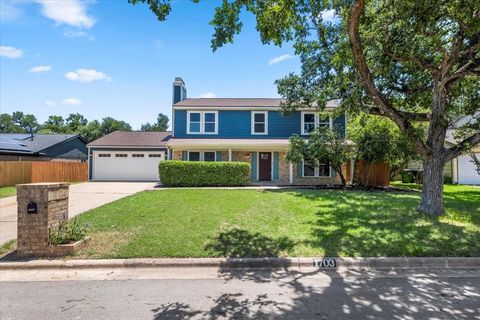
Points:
(126, 147)
(316, 121)
(252, 122)
(202, 122)
(316, 172)
(229, 154)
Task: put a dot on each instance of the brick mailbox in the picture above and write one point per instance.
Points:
(41, 207)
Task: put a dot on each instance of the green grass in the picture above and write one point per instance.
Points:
(7, 247)
(210, 223)
(7, 192)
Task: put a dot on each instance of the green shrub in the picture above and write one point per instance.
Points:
(195, 174)
(407, 177)
(447, 180)
(67, 232)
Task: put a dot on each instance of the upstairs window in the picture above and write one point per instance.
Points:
(210, 122)
(259, 122)
(202, 122)
(308, 122)
(194, 122)
(312, 121)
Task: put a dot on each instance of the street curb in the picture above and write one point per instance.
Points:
(239, 263)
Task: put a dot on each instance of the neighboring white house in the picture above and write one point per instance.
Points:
(461, 170)
(127, 156)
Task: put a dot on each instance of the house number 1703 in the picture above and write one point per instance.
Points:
(325, 263)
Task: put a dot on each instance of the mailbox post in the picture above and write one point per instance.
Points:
(41, 207)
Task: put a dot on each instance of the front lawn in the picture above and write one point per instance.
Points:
(210, 223)
(7, 191)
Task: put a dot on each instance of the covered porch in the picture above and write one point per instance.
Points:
(266, 157)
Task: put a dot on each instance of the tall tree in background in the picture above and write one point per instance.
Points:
(160, 125)
(410, 61)
(110, 124)
(26, 122)
(75, 121)
(54, 124)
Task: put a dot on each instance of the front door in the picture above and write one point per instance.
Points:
(265, 166)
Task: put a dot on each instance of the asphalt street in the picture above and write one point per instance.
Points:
(208, 293)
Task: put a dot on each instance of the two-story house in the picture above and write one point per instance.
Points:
(247, 129)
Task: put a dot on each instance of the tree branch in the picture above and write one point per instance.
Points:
(412, 116)
(360, 62)
(463, 146)
(421, 64)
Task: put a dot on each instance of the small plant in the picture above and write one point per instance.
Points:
(67, 232)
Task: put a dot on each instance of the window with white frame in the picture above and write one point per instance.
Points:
(193, 156)
(320, 170)
(209, 156)
(312, 121)
(259, 122)
(202, 122)
(308, 122)
(201, 156)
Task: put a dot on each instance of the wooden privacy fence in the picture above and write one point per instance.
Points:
(12, 173)
(372, 174)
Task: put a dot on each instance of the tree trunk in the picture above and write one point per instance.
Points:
(342, 177)
(432, 192)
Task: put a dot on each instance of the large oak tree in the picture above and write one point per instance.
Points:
(410, 61)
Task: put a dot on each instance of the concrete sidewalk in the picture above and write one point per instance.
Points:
(83, 197)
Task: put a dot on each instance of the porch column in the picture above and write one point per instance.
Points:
(230, 154)
(290, 173)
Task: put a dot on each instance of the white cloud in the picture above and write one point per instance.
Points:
(10, 52)
(279, 59)
(72, 102)
(49, 103)
(69, 33)
(39, 69)
(86, 75)
(69, 12)
(9, 10)
(329, 15)
(207, 95)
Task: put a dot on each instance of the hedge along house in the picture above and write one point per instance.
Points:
(252, 130)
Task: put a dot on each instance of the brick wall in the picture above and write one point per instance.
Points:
(34, 228)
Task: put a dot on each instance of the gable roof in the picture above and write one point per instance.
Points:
(133, 139)
(238, 102)
(31, 143)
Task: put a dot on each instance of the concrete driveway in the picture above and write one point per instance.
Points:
(83, 197)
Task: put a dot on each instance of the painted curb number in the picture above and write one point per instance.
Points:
(325, 263)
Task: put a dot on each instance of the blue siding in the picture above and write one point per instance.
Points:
(275, 166)
(299, 169)
(339, 124)
(236, 124)
(177, 94)
(253, 157)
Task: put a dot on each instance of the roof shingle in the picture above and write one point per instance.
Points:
(133, 139)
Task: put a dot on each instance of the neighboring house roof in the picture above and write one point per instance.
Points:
(133, 139)
(25, 143)
(10, 145)
(238, 103)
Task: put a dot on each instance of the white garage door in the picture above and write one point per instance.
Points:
(126, 165)
(467, 173)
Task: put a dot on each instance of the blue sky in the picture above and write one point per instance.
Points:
(109, 58)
